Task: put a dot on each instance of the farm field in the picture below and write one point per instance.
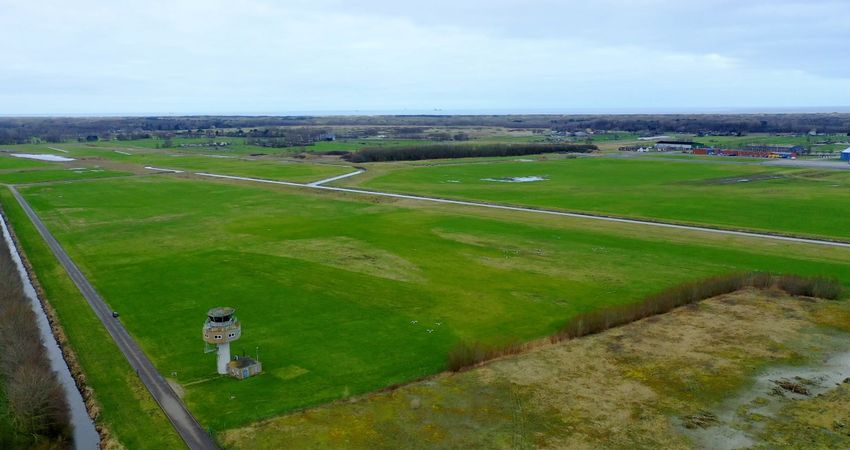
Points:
(808, 202)
(336, 300)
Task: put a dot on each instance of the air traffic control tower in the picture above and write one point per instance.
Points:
(221, 328)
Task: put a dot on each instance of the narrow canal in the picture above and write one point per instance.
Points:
(85, 435)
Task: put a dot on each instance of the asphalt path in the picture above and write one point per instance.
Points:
(550, 212)
(185, 424)
(338, 177)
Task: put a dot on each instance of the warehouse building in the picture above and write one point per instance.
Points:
(674, 145)
(775, 148)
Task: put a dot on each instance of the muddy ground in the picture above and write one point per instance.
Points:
(748, 369)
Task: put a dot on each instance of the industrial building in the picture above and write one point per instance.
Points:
(745, 153)
(775, 148)
(674, 145)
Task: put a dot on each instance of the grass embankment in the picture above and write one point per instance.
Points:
(33, 409)
(466, 355)
(441, 151)
(126, 408)
(767, 199)
(636, 386)
(338, 300)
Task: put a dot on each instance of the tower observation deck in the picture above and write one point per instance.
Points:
(220, 329)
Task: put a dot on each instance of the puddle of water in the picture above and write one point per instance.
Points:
(766, 398)
(515, 179)
(42, 157)
(85, 434)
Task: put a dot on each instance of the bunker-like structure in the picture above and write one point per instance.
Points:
(244, 367)
(220, 329)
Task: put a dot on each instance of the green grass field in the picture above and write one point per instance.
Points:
(127, 410)
(272, 169)
(793, 201)
(40, 176)
(11, 163)
(131, 159)
(338, 291)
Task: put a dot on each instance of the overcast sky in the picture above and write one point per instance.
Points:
(289, 56)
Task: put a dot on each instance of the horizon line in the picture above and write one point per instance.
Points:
(454, 112)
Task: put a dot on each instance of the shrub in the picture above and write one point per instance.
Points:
(810, 287)
(591, 322)
(465, 355)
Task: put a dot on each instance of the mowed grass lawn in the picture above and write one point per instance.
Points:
(40, 176)
(792, 201)
(259, 168)
(214, 160)
(11, 163)
(338, 292)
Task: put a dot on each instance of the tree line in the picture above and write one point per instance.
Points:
(32, 402)
(17, 130)
(440, 151)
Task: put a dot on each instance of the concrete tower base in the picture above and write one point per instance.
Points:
(223, 357)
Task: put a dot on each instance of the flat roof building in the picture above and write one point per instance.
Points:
(674, 145)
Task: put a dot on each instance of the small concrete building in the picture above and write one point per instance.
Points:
(845, 154)
(244, 367)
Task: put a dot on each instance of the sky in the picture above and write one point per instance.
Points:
(92, 57)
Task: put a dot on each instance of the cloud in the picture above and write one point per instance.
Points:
(262, 56)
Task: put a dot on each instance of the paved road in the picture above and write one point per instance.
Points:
(541, 211)
(185, 424)
(338, 177)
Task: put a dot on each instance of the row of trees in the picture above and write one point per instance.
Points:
(36, 406)
(439, 151)
(286, 137)
(15, 130)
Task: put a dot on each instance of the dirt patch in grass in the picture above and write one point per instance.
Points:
(637, 386)
(345, 253)
(750, 178)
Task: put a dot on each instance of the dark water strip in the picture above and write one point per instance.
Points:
(85, 434)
